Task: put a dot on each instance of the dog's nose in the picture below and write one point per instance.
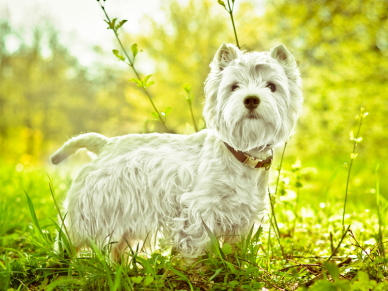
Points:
(251, 102)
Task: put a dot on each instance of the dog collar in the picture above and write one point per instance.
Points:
(250, 161)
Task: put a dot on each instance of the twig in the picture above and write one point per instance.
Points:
(321, 257)
(342, 238)
(359, 246)
(344, 262)
(242, 281)
(299, 265)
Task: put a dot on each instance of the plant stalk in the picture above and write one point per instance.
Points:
(338, 246)
(131, 64)
(230, 11)
(349, 170)
(276, 228)
(296, 211)
(276, 191)
(192, 116)
(280, 168)
(381, 227)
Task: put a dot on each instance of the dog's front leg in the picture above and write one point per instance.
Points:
(190, 237)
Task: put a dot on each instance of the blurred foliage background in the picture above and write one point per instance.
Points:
(341, 47)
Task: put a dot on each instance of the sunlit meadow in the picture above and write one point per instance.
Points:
(327, 223)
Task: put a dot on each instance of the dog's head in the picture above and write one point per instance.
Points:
(252, 99)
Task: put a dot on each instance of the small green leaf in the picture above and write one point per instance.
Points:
(333, 270)
(222, 3)
(167, 111)
(146, 79)
(155, 115)
(137, 81)
(227, 249)
(362, 277)
(353, 156)
(112, 23)
(117, 54)
(137, 280)
(134, 50)
(121, 23)
(215, 274)
(150, 84)
(187, 88)
(107, 23)
(148, 280)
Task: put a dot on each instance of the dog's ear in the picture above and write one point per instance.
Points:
(225, 54)
(281, 54)
(287, 61)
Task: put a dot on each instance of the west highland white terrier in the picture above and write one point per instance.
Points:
(142, 184)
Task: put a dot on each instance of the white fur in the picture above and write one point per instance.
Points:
(142, 184)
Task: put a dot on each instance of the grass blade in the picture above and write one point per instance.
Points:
(214, 240)
(33, 216)
(183, 276)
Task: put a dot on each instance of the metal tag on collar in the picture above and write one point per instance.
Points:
(251, 162)
(267, 166)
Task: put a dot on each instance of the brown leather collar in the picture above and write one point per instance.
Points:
(250, 161)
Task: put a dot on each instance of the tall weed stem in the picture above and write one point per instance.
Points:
(280, 168)
(296, 211)
(276, 190)
(189, 99)
(353, 155)
(229, 9)
(132, 65)
(339, 244)
(382, 250)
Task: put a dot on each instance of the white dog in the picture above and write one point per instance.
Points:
(142, 184)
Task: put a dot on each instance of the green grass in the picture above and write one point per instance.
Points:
(28, 226)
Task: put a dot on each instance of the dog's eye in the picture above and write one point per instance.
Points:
(235, 87)
(271, 86)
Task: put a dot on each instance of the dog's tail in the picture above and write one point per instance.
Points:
(93, 142)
